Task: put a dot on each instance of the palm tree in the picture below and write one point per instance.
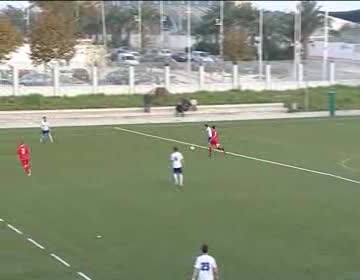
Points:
(117, 22)
(311, 20)
(150, 23)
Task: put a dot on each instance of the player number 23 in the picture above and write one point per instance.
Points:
(205, 266)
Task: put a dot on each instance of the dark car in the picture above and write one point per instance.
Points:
(81, 74)
(179, 57)
(116, 78)
(36, 80)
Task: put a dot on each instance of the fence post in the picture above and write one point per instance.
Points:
(268, 76)
(332, 102)
(167, 76)
(235, 76)
(201, 77)
(332, 73)
(301, 73)
(15, 74)
(56, 79)
(131, 79)
(95, 79)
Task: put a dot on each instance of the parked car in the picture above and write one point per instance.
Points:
(36, 80)
(180, 57)
(115, 53)
(23, 72)
(116, 78)
(127, 59)
(164, 52)
(66, 73)
(199, 56)
(81, 74)
(65, 80)
(5, 81)
(136, 54)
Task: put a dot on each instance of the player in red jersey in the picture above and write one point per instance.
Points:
(23, 153)
(214, 142)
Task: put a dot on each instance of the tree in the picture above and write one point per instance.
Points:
(150, 23)
(118, 21)
(236, 46)
(17, 17)
(242, 17)
(10, 38)
(52, 38)
(311, 20)
(276, 43)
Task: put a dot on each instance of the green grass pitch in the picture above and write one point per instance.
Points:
(261, 221)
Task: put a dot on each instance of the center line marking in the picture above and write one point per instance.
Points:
(60, 260)
(14, 229)
(242, 156)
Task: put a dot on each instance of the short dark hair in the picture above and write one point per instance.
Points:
(204, 248)
(213, 126)
(176, 149)
(206, 125)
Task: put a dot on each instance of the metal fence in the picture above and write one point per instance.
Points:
(115, 78)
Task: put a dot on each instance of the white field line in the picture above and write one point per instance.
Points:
(60, 260)
(84, 276)
(36, 244)
(243, 156)
(227, 122)
(14, 229)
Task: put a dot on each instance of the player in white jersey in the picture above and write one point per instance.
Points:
(205, 267)
(208, 132)
(177, 159)
(45, 131)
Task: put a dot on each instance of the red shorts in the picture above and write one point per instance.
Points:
(213, 142)
(24, 163)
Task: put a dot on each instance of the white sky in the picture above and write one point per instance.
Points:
(270, 5)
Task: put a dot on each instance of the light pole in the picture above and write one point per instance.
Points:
(326, 45)
(221, 47)
(138, 19)
(260, 43)
(162, 24)
(297, 40)
(188, 12)
(103, 24)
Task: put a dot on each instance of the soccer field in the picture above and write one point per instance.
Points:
(261, 220)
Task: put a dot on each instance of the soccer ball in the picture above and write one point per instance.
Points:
(192, 148)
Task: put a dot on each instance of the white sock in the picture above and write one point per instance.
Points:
(51, 138)
(176, 179)
(181, 179)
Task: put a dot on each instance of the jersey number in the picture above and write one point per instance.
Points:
(205, 266)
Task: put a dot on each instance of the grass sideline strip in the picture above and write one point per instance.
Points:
(347, 98)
